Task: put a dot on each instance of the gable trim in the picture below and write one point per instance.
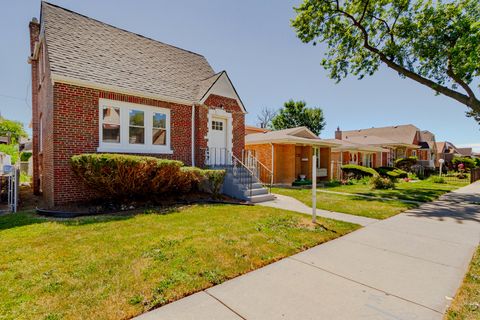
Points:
(237, 97)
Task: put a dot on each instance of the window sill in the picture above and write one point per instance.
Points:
(142, 150)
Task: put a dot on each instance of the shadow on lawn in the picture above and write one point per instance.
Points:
(14, 220)
(407, 205)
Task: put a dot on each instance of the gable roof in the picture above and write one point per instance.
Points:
(219, 84)
(376, 141)
(465, 151)
(300, 135)
(93, 52)
(402, 133)
(345, 145)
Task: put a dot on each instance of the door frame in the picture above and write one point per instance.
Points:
(224, 115)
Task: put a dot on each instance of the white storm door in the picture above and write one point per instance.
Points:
(218, 152)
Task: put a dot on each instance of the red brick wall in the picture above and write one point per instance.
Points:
(238, 118)
(73, 129)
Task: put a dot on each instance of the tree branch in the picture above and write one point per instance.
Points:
(364, 11)
(470, 101)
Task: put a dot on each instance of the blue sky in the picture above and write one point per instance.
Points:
(254, 42)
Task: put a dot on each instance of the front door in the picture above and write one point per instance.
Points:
(218, 152)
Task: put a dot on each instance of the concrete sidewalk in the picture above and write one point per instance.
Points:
(292, 204)
(405, 267)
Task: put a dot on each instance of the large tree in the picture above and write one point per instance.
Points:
(436, 43)
(13, 129)
(296, 114)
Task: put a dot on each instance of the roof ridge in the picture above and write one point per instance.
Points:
(118, 28)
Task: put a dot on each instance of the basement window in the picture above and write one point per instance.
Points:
(133, 128)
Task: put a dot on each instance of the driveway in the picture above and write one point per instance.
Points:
(405, 267)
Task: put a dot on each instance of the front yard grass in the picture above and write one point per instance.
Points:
(423, 190)
(466, 305)
(120, 266)
(355, 205)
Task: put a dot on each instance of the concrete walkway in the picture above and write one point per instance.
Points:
(292, 204)
(405, 267)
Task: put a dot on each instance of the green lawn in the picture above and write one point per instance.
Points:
(359, 206)
(119, 267)
(424, 190)
(466, 305)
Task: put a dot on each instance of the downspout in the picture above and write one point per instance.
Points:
(273, 169)
(193, 134)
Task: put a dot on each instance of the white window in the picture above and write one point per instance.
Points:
(133, 128)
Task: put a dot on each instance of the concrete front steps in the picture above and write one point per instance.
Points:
(258, 193)
(233, 187)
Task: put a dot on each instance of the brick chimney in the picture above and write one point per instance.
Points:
(34, 28)
(338, 134)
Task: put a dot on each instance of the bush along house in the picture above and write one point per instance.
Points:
(396, 142)
(100, 89)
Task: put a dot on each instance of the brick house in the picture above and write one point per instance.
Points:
(288, 153)
(397, 141)
(98, 88)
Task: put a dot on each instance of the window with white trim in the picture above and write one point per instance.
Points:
(133, 128)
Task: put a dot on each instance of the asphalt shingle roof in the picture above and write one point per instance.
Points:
(85, 49)
(403, 133)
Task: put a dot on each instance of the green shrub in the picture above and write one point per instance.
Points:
(392, 173)
(212, 181)
(25, 155)
(118, 175)
(11, 150)
(406, 163)
(468, 163)
(357, 172)
(437, 179)
(379, 182)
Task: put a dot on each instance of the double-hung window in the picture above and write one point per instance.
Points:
(133, 128)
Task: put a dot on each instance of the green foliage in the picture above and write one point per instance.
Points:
(14, 128)
(468, 163)
(358, 172)
(435, 43)
(118, 175)
(392, 173)
(406, 163)
(437, 179)
(25, 155)
(11, 150)
(296, 114)
(379, 182)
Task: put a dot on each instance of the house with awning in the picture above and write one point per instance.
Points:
(288, 153)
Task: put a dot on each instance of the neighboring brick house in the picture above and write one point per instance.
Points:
(98, 88)
(399, 141)
(288, 153)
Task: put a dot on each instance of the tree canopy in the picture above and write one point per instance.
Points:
(436, 43)
(14, 128)
(296, 114)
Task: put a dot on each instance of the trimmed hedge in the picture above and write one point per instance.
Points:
(392, 173)
(406, 163)
(119, 175)
(358, 172)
